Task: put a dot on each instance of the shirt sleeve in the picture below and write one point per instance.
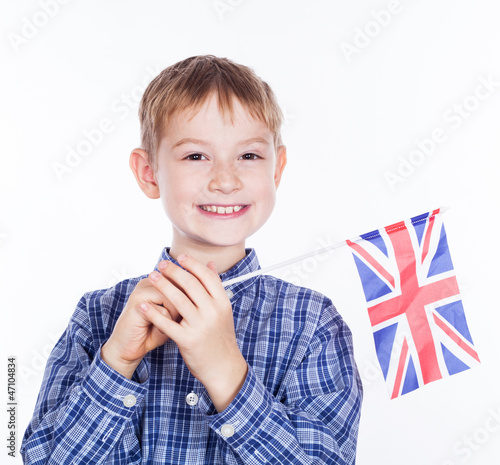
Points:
(85, 409)
(317, 420)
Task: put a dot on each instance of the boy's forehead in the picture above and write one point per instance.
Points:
(201, 120)
(210, 107)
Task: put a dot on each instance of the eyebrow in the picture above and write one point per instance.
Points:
(189, 140)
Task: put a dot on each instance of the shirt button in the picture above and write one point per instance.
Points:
(191, 399)
(129, 401)
(229, 293)
(227, 430)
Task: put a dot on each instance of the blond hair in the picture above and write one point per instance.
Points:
(188, 83)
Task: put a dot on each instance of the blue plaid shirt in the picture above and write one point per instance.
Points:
(300, 402)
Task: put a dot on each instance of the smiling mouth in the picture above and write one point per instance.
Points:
(222, 210)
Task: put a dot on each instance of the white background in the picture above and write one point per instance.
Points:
(352, 117)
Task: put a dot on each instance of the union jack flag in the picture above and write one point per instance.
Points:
(414, 303)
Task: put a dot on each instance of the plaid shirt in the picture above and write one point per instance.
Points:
(300, 402)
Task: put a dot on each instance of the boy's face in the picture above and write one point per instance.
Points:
(207, 163)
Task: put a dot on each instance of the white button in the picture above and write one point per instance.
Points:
(229, 293)
(129, 401)
(227, 430)
(191, 399)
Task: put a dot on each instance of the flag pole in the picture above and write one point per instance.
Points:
(283, 264)
(327, 248)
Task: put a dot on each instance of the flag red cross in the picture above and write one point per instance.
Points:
(413, 299)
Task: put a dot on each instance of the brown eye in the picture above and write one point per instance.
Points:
(250, 156)
(195, 156)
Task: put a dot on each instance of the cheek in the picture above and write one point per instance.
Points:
(266, 194)
(267, 187)
(270, 201)
(176, 186)
(174, 193)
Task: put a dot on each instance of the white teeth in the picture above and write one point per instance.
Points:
(221, 210)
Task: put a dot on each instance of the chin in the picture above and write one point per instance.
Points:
(225, 243)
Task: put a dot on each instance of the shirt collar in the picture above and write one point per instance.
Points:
(246, 265)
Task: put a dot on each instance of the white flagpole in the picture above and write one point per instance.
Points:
(284, 263)
(296, 259)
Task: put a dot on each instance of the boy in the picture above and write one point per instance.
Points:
(171, 368)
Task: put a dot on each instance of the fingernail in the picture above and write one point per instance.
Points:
(154, 275)
(163, 265)
(143, 307)
(181, 257)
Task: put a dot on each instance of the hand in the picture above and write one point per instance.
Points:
(205, 335)
(134, 335)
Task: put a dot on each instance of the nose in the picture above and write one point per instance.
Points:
(224, 178)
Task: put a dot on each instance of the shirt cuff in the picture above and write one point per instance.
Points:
(244, 416)
(112, 391)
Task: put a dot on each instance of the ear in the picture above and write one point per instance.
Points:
(144, 173)
(280, 164)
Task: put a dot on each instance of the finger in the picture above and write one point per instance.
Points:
(148, 293)
(187, 282)
(162, 310)
(145, 290)
(212, 266)
(205, 275)
(178, 299)
(161, 322)
(162, 302)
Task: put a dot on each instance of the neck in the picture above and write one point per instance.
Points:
(224, 257)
